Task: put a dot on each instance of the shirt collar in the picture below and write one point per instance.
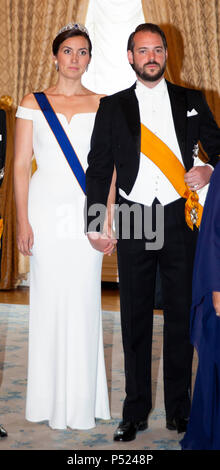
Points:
(159, 89)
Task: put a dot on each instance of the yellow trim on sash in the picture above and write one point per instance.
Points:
(160, 154)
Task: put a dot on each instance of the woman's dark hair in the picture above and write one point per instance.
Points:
(69, 34)
(146, 27)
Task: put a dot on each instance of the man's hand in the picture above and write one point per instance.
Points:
(216, 302)
(102, 242)
(198, 176)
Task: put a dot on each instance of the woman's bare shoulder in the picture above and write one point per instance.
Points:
(29, 101)
(98, 97)
(101, 96)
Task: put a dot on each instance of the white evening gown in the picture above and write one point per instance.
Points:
(66, 371)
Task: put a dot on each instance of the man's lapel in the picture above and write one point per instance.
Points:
(130, 108)
(179, 110)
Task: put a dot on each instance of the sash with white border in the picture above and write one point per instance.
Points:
(62, 139)
(155, 149)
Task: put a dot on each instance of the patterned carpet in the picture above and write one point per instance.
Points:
(24, 435)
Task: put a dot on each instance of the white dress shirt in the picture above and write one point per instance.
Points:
(156, 114)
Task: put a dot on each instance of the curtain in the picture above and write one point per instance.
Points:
(110, 22)
(9, 258)
(28, 28)
(191, 27)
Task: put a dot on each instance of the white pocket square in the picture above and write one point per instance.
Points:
(192, 113)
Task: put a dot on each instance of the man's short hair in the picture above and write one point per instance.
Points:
(146, 27)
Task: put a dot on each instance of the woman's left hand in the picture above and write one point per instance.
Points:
(216, 302)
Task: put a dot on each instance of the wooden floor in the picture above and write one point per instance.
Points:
(110, 296)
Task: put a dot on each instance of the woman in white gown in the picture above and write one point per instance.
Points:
(66, 370)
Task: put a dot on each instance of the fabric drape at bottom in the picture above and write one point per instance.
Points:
(203, 431)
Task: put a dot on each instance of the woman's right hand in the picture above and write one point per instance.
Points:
(25, 238)
(102, 242)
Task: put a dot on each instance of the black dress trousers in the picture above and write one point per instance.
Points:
(137, 273)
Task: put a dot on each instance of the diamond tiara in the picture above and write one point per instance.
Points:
(73, 26)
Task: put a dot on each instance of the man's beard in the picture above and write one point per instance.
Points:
(144, 75)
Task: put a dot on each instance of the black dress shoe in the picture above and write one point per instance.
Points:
(3, 432)
(177, 424)
(126, 431)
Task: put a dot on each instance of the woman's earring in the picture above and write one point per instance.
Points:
(56, 65)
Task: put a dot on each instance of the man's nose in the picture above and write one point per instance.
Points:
(151, 56)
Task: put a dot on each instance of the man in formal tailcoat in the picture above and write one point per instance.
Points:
(150, 134)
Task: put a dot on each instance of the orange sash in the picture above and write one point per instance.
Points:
(160, 154)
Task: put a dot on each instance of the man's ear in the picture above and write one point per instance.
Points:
(130, 57)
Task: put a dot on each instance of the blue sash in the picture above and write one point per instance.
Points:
(62, 139)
